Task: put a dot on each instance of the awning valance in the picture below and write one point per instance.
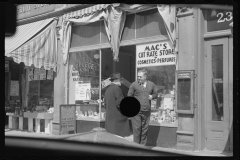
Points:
(85, 12)
(24, 33)
(40, 51)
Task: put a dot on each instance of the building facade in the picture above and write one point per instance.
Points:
(193, 71)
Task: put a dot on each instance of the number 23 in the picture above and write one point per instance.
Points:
(221, 19)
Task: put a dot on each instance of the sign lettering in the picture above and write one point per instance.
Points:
(67, 117)
(218, 20)
(30, 10)
(155, 54)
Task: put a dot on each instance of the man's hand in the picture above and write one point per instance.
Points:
(150, 97)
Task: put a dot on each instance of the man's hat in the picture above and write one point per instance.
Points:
(115, 76)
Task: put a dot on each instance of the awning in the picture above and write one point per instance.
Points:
(40, 50)
(23, 34)
(85, 12)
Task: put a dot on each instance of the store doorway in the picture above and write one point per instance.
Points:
(218, 94)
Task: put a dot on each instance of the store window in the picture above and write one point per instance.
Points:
(84, 35)
(163, 108)
(149, 23)
(39, 89)
(84, 86)
(129, 27)
(159, 60)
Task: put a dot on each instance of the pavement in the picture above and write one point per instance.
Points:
(11, 132)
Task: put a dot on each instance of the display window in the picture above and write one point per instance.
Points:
(84, 84)
(39, 89)
(159, 60)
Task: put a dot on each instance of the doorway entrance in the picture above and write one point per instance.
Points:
(218, 94)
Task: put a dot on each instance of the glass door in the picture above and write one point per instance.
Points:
(217, 95)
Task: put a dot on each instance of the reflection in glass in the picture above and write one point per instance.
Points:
(217, 83)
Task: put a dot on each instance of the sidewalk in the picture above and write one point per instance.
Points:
(194, 153)
(130, 138)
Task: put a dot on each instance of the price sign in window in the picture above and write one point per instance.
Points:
(218, 20)
(185, 92)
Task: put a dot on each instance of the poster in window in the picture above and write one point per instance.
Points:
(42, 74)
(82, 91)
(36, 74)
(50, 75)
(30, 74)
(14, 88)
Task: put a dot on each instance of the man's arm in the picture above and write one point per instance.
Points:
(131, 90)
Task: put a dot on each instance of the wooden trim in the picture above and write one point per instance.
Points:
(123, 43)
(185, 132)
(100, 83)
(217, 34)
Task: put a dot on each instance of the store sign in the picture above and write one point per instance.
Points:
(218, 20)
(6, 66)
(155, 54)
(67, 118)
(30, 10)
(14, 88)
(183, 75)
(82, 91)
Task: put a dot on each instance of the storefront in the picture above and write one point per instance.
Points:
(30, 67)
(188, 54)
(144, 44)
(179, 66)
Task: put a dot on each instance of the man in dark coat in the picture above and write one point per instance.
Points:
(115, 122)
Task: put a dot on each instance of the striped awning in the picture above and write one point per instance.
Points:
(40, 50)
(85, 12)
(23, 34)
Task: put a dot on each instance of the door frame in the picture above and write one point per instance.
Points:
(208, 91)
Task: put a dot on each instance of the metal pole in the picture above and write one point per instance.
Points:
(100, 80)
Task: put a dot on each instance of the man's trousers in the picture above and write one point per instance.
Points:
(140, 125)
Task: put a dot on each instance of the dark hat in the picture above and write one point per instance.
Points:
(115, 76)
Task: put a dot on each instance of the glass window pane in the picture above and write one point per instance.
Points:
(163, 108)
(129, 28)
(84, 76)
(184, 91)
(104, 38)
(217, 83)
(41, 89)
(149, 23)
(84, 35)
(218, 19)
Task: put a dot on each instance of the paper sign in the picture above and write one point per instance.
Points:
(42, 74)
(67, 117)
(14, 88)
(50, 75)
(36, 74)
(30, 74)
(155, 54)
(82, 91)
(168, 103)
